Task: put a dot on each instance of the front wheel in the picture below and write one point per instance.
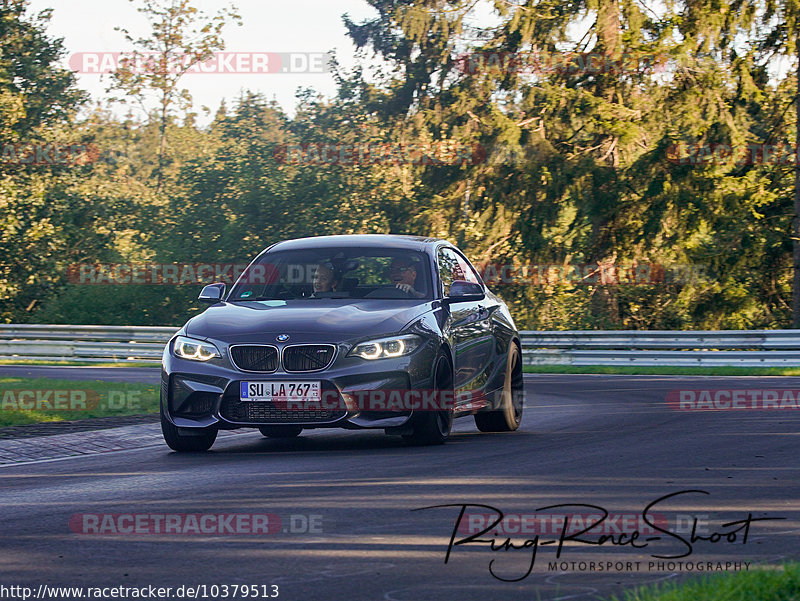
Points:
(183, 443)
(433, 427)
(508, 417)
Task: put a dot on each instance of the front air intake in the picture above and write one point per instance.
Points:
(256, 358)
(308, 357)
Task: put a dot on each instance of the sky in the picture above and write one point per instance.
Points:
(308, 28)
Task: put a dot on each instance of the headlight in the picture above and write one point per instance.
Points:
(194, 350)
(384, 348)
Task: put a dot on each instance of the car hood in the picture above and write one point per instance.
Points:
(304, 320)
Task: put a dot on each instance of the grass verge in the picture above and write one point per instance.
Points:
(781, 584)
(75, 363)
(34, 400)
(662, 371)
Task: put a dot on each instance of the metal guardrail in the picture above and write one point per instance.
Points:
(743, 348)
(92, 344)
(707, 348)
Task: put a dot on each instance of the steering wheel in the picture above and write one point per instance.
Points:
(389, 291)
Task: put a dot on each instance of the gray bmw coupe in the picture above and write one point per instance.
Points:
(397, 333)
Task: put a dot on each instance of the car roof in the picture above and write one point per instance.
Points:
(358, 240)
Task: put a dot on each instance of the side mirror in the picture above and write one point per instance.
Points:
(212, 293)
(462, 291)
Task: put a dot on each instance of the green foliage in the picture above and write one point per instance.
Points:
(572, 164)
(40, 216)
(780, 583)
(79, 400)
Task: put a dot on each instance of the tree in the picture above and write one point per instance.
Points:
(37, 102)
(182, 37)
(781, 19)
(34, 90)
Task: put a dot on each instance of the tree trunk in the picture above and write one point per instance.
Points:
(162, 143)
(609, 43)
(796, 223)
(604, 304)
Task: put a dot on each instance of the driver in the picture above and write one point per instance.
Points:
(403, 274)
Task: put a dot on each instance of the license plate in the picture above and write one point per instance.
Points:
(280, 391)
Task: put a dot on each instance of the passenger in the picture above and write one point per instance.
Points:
(326, 278)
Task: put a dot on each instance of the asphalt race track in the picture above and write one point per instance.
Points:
(343, 501)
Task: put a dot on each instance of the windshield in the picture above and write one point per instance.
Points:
(363, 273)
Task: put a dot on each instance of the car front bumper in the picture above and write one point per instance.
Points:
(201, 395)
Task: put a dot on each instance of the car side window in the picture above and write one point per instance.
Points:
(448, 267)
(452, 267)
(467, 271)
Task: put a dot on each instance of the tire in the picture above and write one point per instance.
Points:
(433, 427)
(509, 416)
(194, 443)
(280, 431)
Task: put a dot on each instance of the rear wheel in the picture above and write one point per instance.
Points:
(194, 442)
(280, 431)
(509, 415)
(433, 427)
